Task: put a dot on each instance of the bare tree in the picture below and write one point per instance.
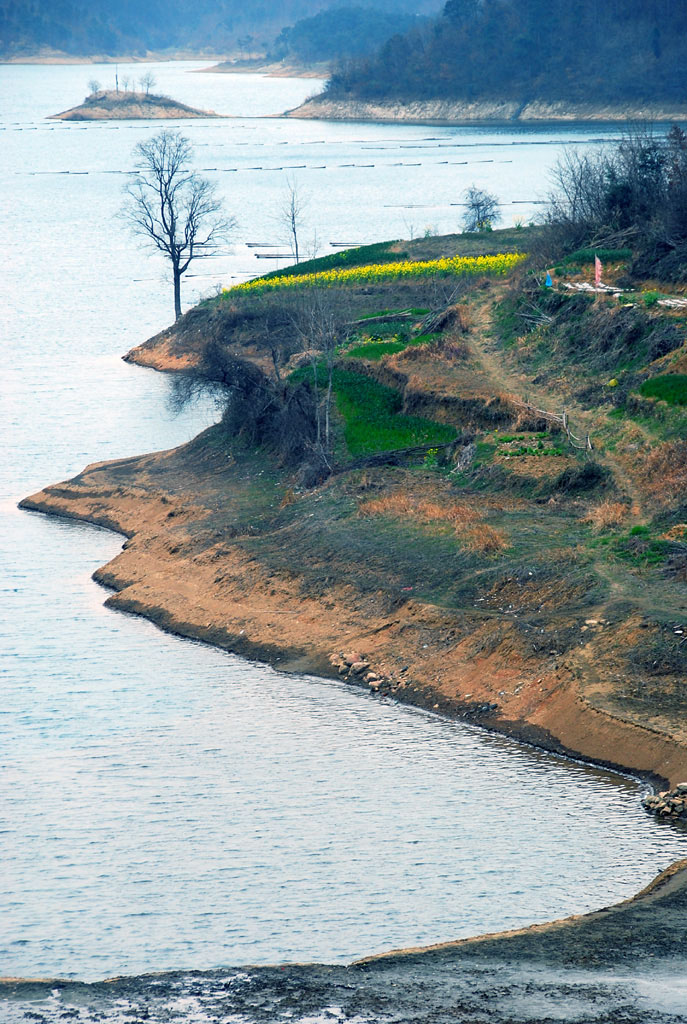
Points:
(94, 86)
(291, 216)
(126, 82)
(176, 210)
(318, 325)
(147, 81)
(482, 209)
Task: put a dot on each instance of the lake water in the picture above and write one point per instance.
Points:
(164, 805)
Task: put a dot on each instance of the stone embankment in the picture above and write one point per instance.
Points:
(670, 805)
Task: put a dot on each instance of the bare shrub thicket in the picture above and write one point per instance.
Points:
(260, 409)
(634, 192)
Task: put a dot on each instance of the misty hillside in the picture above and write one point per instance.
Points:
(582, 51)
(342, 31)
(82, 27)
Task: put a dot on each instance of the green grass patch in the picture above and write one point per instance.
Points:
(669, 387)
(588, 255)
(375, 349)
(373, 418)
(359, 257)
(522, 450)
(639, 548)
(415, 311)
(519, 445)
(485, 453)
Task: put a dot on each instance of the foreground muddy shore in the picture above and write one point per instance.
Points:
(622, 964)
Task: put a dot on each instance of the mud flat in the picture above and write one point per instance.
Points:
(452, 112)
(623, 963)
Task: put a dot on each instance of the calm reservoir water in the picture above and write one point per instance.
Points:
(164, 805)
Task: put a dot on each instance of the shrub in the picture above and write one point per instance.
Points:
(640, 548)
(484, 540)
(405, 505)
(605, 255)
(588, 477)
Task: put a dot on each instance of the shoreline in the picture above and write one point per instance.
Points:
(619, 958)
(266, 617)
(57, 57)
(222, 66)
(475, 113)
(160, 503)
(133, 110)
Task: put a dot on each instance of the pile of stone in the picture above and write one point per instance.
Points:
(354, 667)
(671, 805)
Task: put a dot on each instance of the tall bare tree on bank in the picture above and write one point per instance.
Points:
(291, 216)
(481, 209)
(175, 209)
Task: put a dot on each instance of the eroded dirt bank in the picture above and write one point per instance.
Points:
(625, 963)
(221, 550)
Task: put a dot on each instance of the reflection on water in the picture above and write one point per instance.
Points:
(165, 805)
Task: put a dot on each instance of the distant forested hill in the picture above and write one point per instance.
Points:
(591, 51)
(114, 27)
(344, 31)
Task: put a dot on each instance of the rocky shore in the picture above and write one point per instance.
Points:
(450, 112)
(670, 805)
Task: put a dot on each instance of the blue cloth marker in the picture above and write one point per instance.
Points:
(549, 282)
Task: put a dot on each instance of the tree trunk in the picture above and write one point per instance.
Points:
(328, 406)
(177, 293)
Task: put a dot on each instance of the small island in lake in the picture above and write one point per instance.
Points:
(113, 105)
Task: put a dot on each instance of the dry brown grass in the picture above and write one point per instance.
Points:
(483, 539)
(476, 535)
(404, 505)
(677, 532)
(608, 513)
(665, 472)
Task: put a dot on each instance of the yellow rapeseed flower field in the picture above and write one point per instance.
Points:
(458, 266)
